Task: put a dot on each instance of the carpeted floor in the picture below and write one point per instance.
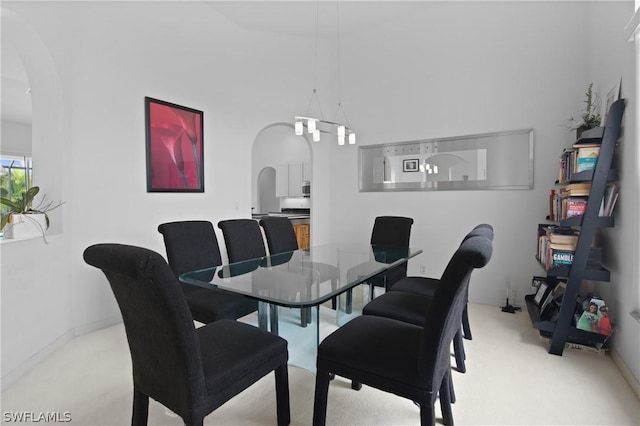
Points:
(510, 380)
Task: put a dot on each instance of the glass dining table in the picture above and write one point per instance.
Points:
(299, 284)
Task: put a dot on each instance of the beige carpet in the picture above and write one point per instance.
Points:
(510, 380)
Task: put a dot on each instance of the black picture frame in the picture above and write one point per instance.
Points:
(411, 165)
(175, 147)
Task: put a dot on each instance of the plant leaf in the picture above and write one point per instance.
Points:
(15, 208)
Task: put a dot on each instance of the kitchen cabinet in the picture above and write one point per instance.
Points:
(289, 178)
(302, 235)
(306, 172)
(295, 179)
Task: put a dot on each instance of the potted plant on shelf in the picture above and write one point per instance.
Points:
(590, 118)
(20, 219)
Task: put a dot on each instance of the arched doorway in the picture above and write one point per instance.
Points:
(267, 200)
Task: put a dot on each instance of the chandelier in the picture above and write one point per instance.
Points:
(316, 126)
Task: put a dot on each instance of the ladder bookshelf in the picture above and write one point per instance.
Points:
(561, 330)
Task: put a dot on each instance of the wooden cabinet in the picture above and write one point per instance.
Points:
(302, 235)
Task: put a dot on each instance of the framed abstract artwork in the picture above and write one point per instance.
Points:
(174, 147)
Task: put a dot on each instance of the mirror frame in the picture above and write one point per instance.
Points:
(454, 144)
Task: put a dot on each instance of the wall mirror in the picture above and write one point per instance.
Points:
(500, 160)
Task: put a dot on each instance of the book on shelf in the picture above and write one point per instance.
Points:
(550, 308)
(572, 206)
(594, 317)
(609, 199)
(560, 254)
(576, 189)
(586, 157)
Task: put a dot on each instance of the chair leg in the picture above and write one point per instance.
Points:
(427, 415)
(465, 324)
(320, 399)
(334, 301)
(458, 350)
(445, 399)
(349, 304)
(282, 395)
(452, 392)
(303, 317)
(140, 408)
(356, 385)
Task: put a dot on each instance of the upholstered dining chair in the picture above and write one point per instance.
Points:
(244, 241)
(190, 371)
(193, 245)
(390, 231)
(406, 301)
(401, 358)
(281, 238)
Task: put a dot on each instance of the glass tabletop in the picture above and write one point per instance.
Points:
(303, 278)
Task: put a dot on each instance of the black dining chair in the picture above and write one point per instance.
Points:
(427, 286)
(243, 239)
(193, 245)
(190, 371)
(406, 301)
(389, 231)
(401, 358)
(281, 238)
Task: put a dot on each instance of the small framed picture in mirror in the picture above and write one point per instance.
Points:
(410, 165)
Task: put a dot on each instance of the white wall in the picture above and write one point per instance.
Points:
(448, 69)
(15, 138)
(458, 69)
(611, 60)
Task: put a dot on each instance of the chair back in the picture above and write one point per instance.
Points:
(280, 235)
(443, 316)
(391, 231)
(164, 347)
(190, 245)
(484, 230)
(243, 239)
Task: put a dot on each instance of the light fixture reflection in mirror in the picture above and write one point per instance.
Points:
(501, 160)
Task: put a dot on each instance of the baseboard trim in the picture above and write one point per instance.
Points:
(13, 376)
(626, 373)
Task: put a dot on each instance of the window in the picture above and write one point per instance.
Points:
(16, 174)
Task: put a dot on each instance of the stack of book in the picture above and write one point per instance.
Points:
(556, 245)
(578, 158)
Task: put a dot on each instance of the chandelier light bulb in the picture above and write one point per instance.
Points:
(311, 126)
(341, 132)
(435, 169)
(352, 138)
(299, 128)
(340, 139)
(316, 135)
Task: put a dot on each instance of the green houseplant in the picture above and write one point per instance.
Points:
(589, 118)
(21, 211)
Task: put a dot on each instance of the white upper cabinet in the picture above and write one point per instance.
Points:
(306, 172)
(295, 179)
(282, 180)
(289, 178)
